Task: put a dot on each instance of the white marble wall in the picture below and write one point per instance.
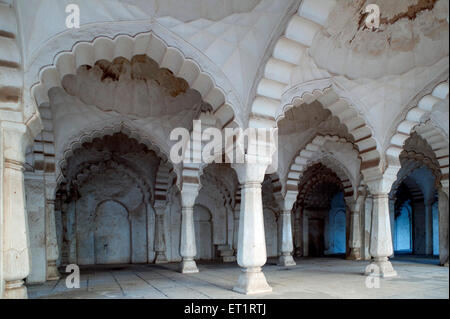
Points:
(35, 195)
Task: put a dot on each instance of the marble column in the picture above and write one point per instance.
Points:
(443, 228)
(392, 222)
(160, 242)
(72, 232)
(287, 245)
(355, 230)
(429, 227)
(188, 248)
(36, 215)
(16, 254)
(381, 238)
(237, 210)
(305, 234)
(252, 253)
(298, 240)
(50, 227)
(367, 223)
(355, 238)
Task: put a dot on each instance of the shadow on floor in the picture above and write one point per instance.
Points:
(417, 259)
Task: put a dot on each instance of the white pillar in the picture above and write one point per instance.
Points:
(381, 239)
(298, 225)
(443, 228)
(16, 258)
(355, 231)
(252, 253)
(36, 214)
(429, 227)
(50, 227)
(392, 221)
(287, 245)
(305, 233)
(188, 248)
(367, 223)
(72, 232)
(236, 213)
(160, 243)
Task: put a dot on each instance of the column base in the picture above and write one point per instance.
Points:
(15, 290)
(252, 281)
(286, 261)
(161, 258)
(52, 272)
(380, 267)
(188, 266)
(354, 254)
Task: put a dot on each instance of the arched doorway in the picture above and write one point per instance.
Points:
(112, 235)
(414, 202)
(323, 214)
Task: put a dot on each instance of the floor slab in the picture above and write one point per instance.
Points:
(317, 278)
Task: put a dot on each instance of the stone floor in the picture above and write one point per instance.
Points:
(318, 278)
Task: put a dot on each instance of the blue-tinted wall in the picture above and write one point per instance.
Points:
(336, 226)
(403, 234)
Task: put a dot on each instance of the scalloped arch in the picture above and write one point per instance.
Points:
(290, 61)
(300, 164)
(415, 117)
(87, 53)
(143, 186)
(347, 115)
(82, 138)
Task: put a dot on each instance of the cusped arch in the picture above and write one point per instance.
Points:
(78, 141)
(347, 115)
(308, 156)
(417, 119)
(126, 46)
(290, 61)
(143, 186)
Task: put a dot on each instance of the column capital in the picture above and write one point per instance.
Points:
(250, 172)
(189, 194)
(381, 183)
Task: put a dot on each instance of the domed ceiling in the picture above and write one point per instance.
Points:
(410, 35)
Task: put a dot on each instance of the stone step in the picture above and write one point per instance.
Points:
(229, 259)
(223, 247)
(226, 253)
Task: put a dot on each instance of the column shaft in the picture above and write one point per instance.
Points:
(355, 237)
(286, 240)
(381, 239)
(160, 243)
(188, 249)
(443, 229)
(252, 253)
(51, 241)
(16, 259)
